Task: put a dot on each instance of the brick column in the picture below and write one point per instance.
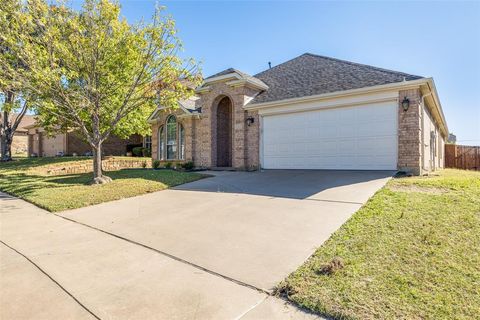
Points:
(155, 142)
(409, 132)
(40, 144)
(239, 128)
(30, 144)
(188, 127)
(253, 142)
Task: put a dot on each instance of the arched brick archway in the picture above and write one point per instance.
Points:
(224, 133)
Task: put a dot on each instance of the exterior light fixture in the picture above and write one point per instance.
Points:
(405, 104)
(250, 120)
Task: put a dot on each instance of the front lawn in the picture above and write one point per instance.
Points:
(22, 178)
(412, 252)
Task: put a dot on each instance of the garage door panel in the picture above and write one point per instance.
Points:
(360, 137)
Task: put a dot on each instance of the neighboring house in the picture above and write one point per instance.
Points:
(311, 112)
(42, 145)
(20, 138)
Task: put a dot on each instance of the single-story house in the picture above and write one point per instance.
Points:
(20, 138)
(69, 143)
(311, 112)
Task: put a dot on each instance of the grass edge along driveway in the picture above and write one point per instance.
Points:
(412, 252)
(21, 178)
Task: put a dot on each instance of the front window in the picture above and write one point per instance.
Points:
(171, 138)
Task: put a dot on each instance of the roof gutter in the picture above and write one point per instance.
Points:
(338, 94)
(433, 90)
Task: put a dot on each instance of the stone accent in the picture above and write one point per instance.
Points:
(108, 164)
(409, 132)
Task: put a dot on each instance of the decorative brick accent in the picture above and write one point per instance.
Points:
(409, 132)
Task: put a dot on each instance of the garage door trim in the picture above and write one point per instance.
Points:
(390, 138)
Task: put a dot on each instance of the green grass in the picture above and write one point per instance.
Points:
(22, 178)
(412, 252)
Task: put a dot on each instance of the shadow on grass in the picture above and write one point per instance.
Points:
(22, 184)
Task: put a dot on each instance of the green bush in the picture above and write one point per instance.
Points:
(137, 151)
(168, 165)
(146, 152)
(156, 164)
(188, 165)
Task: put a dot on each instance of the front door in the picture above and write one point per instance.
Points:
(224, 133)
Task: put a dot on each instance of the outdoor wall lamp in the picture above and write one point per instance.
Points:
(405, 103)
(250, 120)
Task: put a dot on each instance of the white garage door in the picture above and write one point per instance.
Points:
(357, 138)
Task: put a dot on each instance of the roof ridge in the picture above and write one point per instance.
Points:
(358, 64)
(278, 65)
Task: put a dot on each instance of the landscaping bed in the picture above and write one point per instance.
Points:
(28, 179)
(412, 252)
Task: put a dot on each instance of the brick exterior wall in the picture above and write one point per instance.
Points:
(72, 142)
(409, 132)
(201, 131)
(113, 146)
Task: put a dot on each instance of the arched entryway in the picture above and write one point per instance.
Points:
(224, 133)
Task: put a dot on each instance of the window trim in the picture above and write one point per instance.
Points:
(179, 153)
(175, 141)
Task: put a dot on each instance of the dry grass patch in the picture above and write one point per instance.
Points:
(414, 188)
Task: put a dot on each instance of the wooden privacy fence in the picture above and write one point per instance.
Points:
(462, 157)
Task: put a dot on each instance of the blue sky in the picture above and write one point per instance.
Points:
(434, 39)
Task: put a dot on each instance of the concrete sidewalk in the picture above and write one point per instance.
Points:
(59, 269)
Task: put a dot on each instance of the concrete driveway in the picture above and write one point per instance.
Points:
(210, 249)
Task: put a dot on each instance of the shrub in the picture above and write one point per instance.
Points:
(156, 164)
(188, 165)
(137, 151)
(146, 152)
(168, 165)
(144, 164)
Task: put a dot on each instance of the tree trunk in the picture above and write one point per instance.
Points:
(98, 177)
(6, 138)
(4, 150)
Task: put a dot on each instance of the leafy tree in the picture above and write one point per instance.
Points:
(100, 75)
(15, 98)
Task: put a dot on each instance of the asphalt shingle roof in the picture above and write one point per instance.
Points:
(228, 71)
(311, 74)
